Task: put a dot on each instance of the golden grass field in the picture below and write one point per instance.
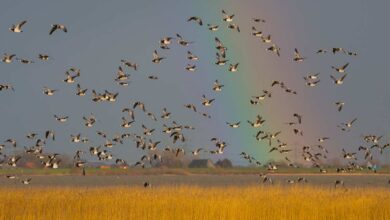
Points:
(191, 202)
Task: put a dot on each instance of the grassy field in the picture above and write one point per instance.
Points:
(191, 202)
(177, 171)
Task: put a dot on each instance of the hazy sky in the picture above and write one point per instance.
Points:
(101, 33)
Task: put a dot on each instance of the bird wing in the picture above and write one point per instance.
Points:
(21, 24)
(155, 55)
(296, 53)
(54, 28)
(343, 77)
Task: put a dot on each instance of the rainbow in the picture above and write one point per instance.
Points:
(249, 81)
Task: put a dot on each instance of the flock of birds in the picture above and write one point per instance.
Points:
(177, 132)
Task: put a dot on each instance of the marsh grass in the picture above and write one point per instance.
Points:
(191, 202)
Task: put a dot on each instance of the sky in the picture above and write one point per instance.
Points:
(101, 33)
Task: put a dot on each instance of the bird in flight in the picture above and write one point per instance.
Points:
(71, 78)
(234, 27)
(257, 123)
(26, 181)
(165, 42)
(190, 68)
(338, 81)
(43, 57)
(49, 92)
(212, 27)
(191, 56)
(297, 56)
(6, 87)
(196, 19)
(130, 64)
(55, 27)
(196, 151)
(61, 118)
(7, 58)
(347, 125)
(233, 125)
(256, 33)
(207, 102)
(217, 86)
(182, 42)
(341, 69)
(258, 20)
(339, 105)
(226, 17)
(156, 58)
(322, 51)
(233, 67)
(80, 91)
(275, 49)
(17, 28)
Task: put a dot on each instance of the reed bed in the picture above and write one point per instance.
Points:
(192, 202)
